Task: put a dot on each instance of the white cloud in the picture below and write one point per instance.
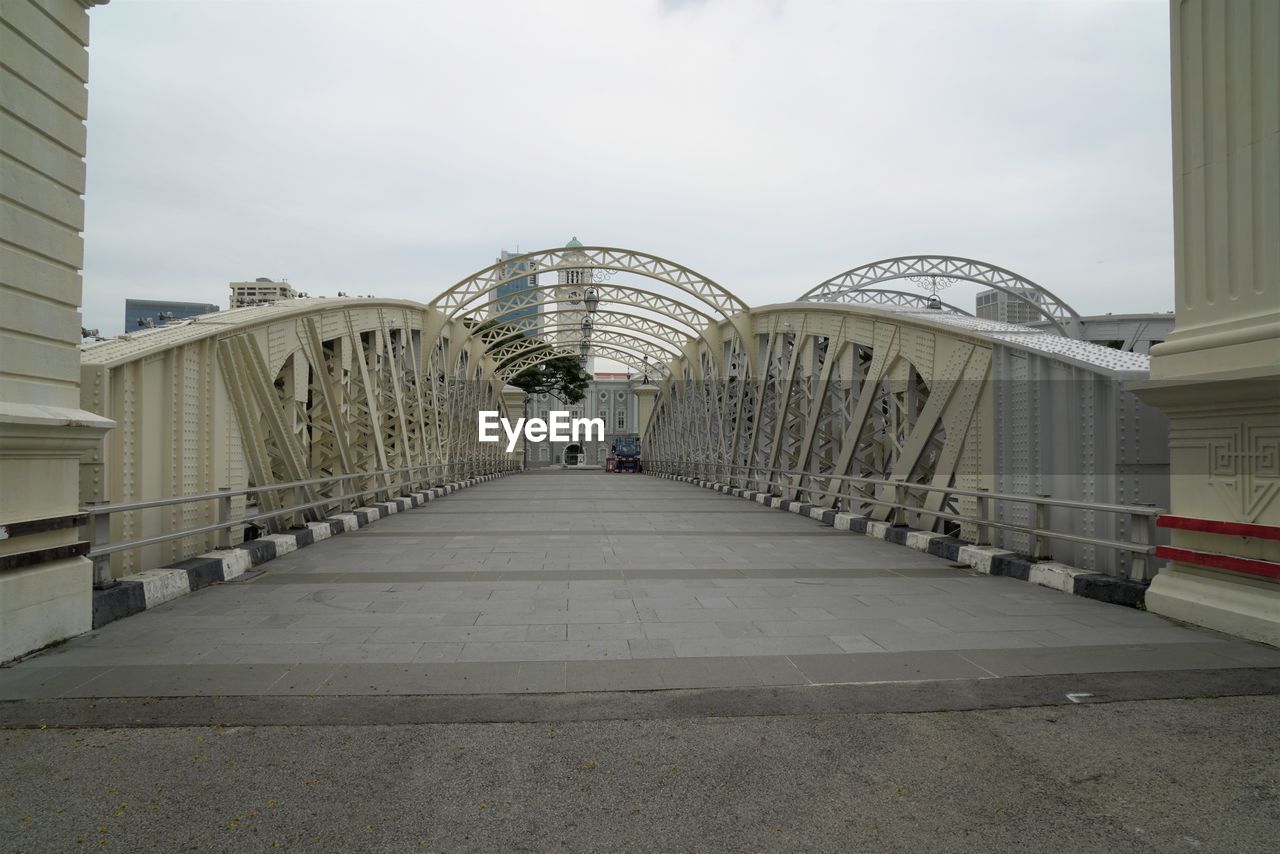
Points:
(395, 147)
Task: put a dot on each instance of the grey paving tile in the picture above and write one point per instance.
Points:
(449, 634)
(904, 640)
(550, 632)
(545, 651)
(605, 631)
(1252, 654)
(613, 676)
(691, 648)
(540, 677)
(316, 653)
(1102, 659)
(43, 682)
(536, 617)
(670, 631)
(437, 652)
(168, 680)
(887, 667)
(652, 648)
(824, 628)
(301, 679)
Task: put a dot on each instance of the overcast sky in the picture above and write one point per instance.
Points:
(394, 148)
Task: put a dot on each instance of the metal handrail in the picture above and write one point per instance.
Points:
(1136, 509)
(1141, 516)
(95, 509)
(100, 514)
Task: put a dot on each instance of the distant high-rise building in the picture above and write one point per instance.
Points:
(571, 286)
(260, 292)
(143, 313)
(1000, 305)
(516, 302)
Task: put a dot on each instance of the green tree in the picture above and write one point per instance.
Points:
(561, 377)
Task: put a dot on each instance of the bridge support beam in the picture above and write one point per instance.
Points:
(1218, 374)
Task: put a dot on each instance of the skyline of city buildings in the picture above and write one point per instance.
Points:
(516, 302)
(260, 291)
(999, 305)
(141, 313)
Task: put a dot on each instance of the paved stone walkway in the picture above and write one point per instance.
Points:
(581, 581)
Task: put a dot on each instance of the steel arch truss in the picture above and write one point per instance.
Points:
(830, 392)
(906, 299)
(672, 310)
(552, 351)
(480, 287)
(305, 390)
(620, 341)
(844, 288)
(566, 323)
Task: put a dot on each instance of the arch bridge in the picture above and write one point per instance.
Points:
(856, 397)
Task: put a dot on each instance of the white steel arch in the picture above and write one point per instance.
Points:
(628, 357)
(622, 339)
(843, 288)
(662, 334)
(717, 300)
(888, 296)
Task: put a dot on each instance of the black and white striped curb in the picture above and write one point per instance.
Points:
(985, 559)
(134, 593)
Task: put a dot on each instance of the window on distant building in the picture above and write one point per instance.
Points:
(622, 420)
(544, 453)
(604, 416)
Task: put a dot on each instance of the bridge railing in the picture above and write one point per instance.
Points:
(895, 498)
(407, 479)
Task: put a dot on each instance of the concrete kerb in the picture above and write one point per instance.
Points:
(143, 590)
(984, 559)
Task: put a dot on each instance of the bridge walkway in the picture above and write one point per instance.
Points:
(554, 581)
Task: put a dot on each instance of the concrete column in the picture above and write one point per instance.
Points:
(45, 581)
(646, 396)
(1218, 374)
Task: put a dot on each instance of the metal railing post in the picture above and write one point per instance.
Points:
(222, 539)
(1139, 534)
(1040, 547)
(984, 511)
(100, 535)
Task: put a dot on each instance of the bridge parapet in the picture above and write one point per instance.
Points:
(328, 395)
(839, 404)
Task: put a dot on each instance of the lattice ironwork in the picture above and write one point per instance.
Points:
(845, 287)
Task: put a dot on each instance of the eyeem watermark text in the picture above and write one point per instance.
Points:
(560, 427)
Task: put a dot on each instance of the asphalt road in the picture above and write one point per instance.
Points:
(1158, 775)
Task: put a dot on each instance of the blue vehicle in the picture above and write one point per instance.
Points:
(626, 454)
